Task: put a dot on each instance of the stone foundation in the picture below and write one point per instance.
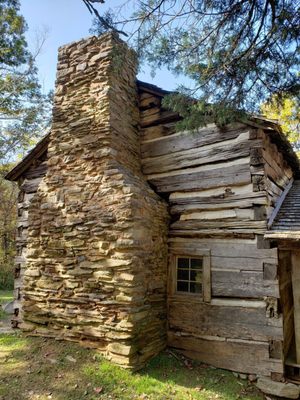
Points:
(96, 265)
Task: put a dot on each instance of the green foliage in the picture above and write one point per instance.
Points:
(236, 53)
(8, 212)
(24, 110)
(6, 275)
(99, 27)
(286, 110)
(199, 113)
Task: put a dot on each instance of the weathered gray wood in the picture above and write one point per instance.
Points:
(233, 248)
(233, 175)
(149, 102)
(274, 158)
(218, 205)
(229, 223)
(158, 118)
(222, 199)
(36, 171)
(189, 140)
(235, 254)
(207, 278)
(157, 131)
(242, 284)
(230, 149)
(270, 271)
(232, 322)
(31, 186)
(296, 296)
(243, 356)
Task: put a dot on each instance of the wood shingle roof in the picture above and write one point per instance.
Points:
(286, 224)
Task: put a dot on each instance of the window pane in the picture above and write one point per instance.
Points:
(195, 287)
(183, 274)
(182, 286)
(183, 263)
(196, 263)
(196, 276)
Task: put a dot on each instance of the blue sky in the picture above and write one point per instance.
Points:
(68, 21)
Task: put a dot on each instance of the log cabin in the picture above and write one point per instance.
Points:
(133, 236)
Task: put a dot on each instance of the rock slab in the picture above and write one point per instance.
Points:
(286, 390)
(8, 308)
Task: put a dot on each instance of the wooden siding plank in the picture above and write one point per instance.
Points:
(189, 140)
(218, 177)
(243, 356)
(249, 284)
(219, 320)
(216, 152)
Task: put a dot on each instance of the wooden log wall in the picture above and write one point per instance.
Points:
(286, 295)
(222, 186)
(28, 186)
(276, 170)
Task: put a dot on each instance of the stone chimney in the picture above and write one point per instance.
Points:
(97, 239)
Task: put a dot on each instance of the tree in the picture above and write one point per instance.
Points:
(237, 53)
(286, 111)
(8, 214)
(23, 108)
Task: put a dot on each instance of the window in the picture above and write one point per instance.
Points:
(189, 274)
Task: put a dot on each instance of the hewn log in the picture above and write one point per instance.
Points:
(228, 149)
(36, 171)
(158, 117)
(191, 179)
(237, 254)
(242, 284)
(229, 223)
(226, 321)
(236, 355)
(189, 140)
(31, 185)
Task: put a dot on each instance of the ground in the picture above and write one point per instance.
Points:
(42, 369)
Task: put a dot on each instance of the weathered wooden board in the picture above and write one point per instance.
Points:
(216, 205)
(217, 152)
(203, 179)
(159, 117)
(157, 131)
(242, 284)
(149, 101)
(238, 254)
(216, 233)
(296, 296)
(220, 214)
(274, 158)
(36, 171)
(231, 322)
(31, 185)
(226, 198)
(189, 140)
(222, 192)
(243, 356)
(229, 223)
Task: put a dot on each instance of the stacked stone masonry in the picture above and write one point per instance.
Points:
(97, 234)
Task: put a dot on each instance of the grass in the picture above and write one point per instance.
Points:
(41, 369)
